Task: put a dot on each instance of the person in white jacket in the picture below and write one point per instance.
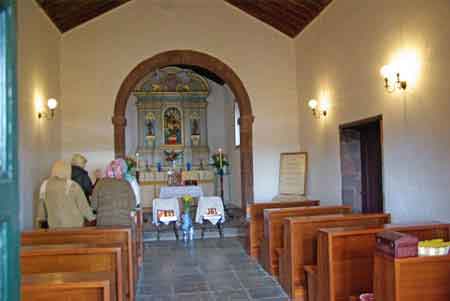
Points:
(62, 202)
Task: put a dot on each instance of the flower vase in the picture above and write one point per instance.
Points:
(187, 226)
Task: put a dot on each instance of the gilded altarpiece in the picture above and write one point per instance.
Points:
(172, 117)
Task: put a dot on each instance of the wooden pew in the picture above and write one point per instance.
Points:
(139, 237)
(92, 286)
(312, 282)
(95, 235)
(273, 230)
(345, 256)
(74, 258)
(411, 279)
(255, 217)
(300, 244)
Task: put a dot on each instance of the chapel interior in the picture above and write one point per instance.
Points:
(224, 150)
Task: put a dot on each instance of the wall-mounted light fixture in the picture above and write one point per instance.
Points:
(392, 80)
(48, 112)
(319, 109)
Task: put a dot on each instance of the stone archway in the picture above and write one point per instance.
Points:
(212, 64)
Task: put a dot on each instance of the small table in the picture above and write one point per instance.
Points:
(180, 191)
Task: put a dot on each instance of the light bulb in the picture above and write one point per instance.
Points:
(386, 71)
(324, 105)
(52, 103)
(312, 104)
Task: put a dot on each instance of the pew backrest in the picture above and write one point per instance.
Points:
(69, 286)
(345, 256)
(74, 258)
(300, 243)
(93, 235)
(255, 217)
(273, 230)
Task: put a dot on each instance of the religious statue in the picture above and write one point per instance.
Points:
(172, 126)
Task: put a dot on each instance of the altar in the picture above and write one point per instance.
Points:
(171, 105)
(168, 192)
(152, 182)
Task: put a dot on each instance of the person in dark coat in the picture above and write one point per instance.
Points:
(80, 175)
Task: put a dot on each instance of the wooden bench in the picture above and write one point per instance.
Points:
(273, 230)
(300, 244)
(345, 256)
(95, 286)
(139, 238)
(74, 258)
(255, 217)
(95, 235)
(411, 279)
(312, 282)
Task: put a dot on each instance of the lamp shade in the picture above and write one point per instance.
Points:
(312, 104)
(52, 103)
(386, 71)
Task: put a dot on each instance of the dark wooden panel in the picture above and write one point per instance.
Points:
(288, 16)
(67, 14)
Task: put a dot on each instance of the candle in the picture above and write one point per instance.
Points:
(220, 158)
(137, 161)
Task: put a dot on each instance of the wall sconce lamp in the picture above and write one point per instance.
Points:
(319, 109)
(48, 112)
(392, 79)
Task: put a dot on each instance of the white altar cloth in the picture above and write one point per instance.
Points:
(167, 192)
(165, 204)
(202, 209)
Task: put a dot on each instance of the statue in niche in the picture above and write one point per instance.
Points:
(172, 126)
(149, 122)
(195, 129)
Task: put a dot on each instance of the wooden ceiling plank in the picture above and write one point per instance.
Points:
(264, 16)
(298, 20)
(67, 14)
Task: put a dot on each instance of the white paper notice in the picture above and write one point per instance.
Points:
(293, 173)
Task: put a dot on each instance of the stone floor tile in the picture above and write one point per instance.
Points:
(231, 295)
(266, 292)
(210, 269)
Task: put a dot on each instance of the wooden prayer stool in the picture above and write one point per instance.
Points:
(255, 217)
(204, 226)
(300, 245)
(348, 253)
(411, 279)
(273, 230)
(94, 235)
(172, 223)
(75, 258)
(95, 286)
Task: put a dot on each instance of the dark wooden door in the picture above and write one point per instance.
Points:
(361, 165)
(371, 168)
(9, 201)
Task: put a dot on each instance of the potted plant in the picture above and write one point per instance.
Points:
(188, 230)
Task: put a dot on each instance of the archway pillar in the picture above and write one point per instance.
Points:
(119, 122)
(246, 145)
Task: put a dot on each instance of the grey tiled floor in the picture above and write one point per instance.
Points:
(203, 270)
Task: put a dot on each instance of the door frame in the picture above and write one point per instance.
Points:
(361, 123)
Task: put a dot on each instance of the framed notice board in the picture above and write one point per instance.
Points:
(293, 168)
